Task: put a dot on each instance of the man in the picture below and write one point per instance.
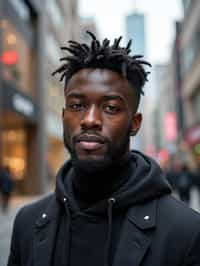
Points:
(111, 206)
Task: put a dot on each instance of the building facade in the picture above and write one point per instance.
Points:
(190, 76)
(135, 30)
(61, 25)
(31, 33)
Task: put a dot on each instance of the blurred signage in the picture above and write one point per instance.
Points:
(163, 156)
(151, 151)
(23, 105)
(9, 57)
(17, 101)
(170, 123)
(193, 135)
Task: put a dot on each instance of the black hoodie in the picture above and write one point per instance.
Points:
(89, 236)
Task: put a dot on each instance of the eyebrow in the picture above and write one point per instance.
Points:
(75, 95)
(108, 97)
(113, 97)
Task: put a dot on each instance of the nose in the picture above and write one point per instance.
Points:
(91, 119)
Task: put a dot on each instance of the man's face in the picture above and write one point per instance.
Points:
(98, 117)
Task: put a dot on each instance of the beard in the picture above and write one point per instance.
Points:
(113, 156)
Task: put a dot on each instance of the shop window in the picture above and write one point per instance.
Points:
(17, 58)
(188, 57)
(191, 52)
(15, 152)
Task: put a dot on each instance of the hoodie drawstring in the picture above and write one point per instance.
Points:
(111, 201)
(67, 246)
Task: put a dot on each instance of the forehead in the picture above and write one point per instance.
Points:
(100, 80)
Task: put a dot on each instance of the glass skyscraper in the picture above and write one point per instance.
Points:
(135, 30)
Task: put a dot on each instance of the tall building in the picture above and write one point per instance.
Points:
(189, 46)
(186, 4)
(160, 71)
(31, 32)
(61, 25)
(166, 131)
(148, 110)
(135, 30)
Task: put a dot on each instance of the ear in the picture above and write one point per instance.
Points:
(136, 123)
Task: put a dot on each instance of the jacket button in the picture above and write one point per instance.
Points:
(146, 217)
(44, 215)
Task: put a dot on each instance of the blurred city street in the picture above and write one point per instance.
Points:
(166, 33)
(5, 234)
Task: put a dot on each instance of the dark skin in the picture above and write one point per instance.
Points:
(99, 114)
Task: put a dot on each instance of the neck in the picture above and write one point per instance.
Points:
(93, 186)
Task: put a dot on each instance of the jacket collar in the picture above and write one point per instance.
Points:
(50, 212)
(133, 244)
(134, 241)
(144, 215)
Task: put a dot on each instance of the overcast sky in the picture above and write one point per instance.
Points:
(160, 16)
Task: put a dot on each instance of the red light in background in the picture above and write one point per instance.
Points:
(9, 57)
(163, 156)
(170, 126)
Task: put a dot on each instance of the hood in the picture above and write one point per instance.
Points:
(146, 182)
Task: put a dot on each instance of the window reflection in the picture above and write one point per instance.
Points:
(21, 8)
(14, 150)
(17, 58)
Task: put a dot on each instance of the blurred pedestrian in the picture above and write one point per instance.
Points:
(170, 173)
(6, 187)
(196, 180)
(184, 183)
(111, 206)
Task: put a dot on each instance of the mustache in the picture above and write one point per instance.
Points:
(90, 137)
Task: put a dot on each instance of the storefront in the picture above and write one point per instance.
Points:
(19, 124)
(192, 139)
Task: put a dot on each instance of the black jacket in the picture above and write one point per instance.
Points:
(170, 237)
(156, 229)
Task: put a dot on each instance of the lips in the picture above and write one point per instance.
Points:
(90, 142)
(90, 146)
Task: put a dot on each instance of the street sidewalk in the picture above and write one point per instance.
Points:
(6, 224)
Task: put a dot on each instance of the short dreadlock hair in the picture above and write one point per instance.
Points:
(104, 56)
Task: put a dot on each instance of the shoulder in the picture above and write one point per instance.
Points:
(31, 212)
(170, 205)
(176, 214)
(183, 225)
(25, 225)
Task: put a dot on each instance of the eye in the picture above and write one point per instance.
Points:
(75, 106)
(111, 109)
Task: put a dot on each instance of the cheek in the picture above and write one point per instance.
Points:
(71, 125)
(117, 128)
